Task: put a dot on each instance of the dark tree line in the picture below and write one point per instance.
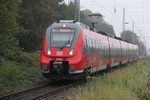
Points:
(9, 28)
(35, 17)
(24, 22)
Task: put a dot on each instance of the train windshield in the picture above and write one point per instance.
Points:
(62, 37)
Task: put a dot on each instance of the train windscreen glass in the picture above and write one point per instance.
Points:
(62, 37)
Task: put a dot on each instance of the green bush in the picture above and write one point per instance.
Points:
(15, 76)
(1, 60)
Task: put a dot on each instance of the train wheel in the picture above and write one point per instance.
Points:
(85, 73)
(108, 69)
(119, 66)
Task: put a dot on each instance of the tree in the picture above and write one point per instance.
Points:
(36, 16)
(130, 36)
(133, 38)
(142, 48)
(105, 27)
(67, 11)
(84, 16)
(9, 28)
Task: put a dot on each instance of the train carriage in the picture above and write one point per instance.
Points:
(71, 51)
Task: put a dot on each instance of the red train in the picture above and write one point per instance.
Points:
(71, 51)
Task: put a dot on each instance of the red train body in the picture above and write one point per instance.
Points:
(71, 51)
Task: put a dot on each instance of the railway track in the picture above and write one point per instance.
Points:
(45, 90)
(41, 92)
(23, 92)
(59, 90)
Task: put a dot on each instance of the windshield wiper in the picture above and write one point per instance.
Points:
(65, 44)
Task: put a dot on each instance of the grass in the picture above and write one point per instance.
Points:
(129, 83)
(14, 75)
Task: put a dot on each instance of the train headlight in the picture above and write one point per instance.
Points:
(71, 52)
(48, 51)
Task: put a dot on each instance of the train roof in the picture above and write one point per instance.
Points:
(76, 24)
(71, 23)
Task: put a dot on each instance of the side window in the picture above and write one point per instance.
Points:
(97, 45)
(90, 45)
(86, 45)
(94, 46)
(86, 42)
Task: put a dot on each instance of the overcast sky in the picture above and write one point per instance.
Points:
(135, 10)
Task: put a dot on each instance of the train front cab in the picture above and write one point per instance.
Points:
(60, 58)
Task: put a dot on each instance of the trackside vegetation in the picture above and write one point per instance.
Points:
(17, 76)
(130, 83)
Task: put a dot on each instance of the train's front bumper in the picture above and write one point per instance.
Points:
(62, 67)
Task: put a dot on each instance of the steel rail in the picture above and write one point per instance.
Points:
(59, 90)
(22, 92)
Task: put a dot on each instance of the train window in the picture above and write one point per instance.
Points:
(102, 51)
(85, 42)
(88, 41)
(93, 44)
(90, 46)
(85, 46)
(112, 44)
(99, 48)
(100, 42)
(96, 46)
(107, 52)
(59, 37)
(95, 41)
